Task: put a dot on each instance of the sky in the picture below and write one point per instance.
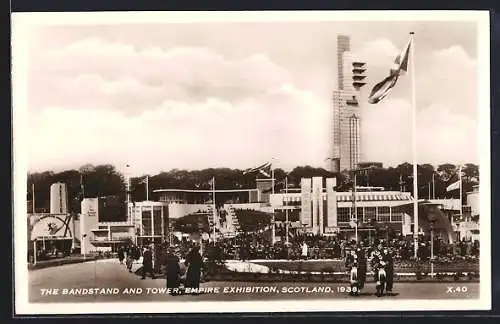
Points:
(200, 95)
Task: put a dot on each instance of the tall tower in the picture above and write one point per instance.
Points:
(345, 140)
(343, 45)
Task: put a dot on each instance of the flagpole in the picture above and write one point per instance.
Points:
(272, 175)
(354, 206)
(214, 206)
(127, 188)
(82, 187)
(147, 188)
(414, 145)
(460, 179)
(33, 195)
(286, 210)
(272, 191)
(433, 186)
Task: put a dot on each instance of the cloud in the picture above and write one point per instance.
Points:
(450, 78)
(387, 134)
(379, 53)
(132, 79)
(193, 107)
(286, 124)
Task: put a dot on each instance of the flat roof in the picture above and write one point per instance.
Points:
(203, 190)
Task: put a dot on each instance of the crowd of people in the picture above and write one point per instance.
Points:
(252, 246)
(182, 261)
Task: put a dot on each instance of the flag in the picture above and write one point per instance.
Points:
(382, 89)
(144, 180)
(454, 186)
(264, 169)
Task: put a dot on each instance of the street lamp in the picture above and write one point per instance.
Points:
(432, 221)
(355, 210)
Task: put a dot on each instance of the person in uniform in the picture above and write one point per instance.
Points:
(389, 268)
(194, 262)
(361, 256)
(375, 258)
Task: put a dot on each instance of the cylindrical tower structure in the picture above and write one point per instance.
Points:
(58, 198)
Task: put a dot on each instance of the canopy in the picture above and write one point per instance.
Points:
(430, 217)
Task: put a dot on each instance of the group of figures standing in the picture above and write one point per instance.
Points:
(180, 275)
(382, 264)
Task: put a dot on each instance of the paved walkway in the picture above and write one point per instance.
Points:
(115, 279)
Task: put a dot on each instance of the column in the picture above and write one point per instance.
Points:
(141, 230)
(152, 222)
(162, 224)
(306, 212)
(331, 183)
(317, 205)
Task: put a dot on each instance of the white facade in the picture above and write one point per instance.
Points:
(473, 201)
(317, 205)
(97, 236)
(89, 219)
(324, 211)
(58, 198)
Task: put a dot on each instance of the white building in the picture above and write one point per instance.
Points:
(322, 210)
(467, 226)
(95, 235)
(58, 198)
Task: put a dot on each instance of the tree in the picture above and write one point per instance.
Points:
(471, 173)
(446, 171)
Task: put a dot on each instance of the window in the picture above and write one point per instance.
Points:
(397, 217)
(360, 213)
(157, 220)
(397, 214)
(370, 213)
(343, 214)
(383, 214)
(147, 225)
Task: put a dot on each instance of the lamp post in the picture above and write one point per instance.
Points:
(432, 221)
(354, 185)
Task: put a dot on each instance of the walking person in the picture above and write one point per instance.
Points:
(121, 254)
(147, 263)
(130, 258)
(173, 272)
(194, 262)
